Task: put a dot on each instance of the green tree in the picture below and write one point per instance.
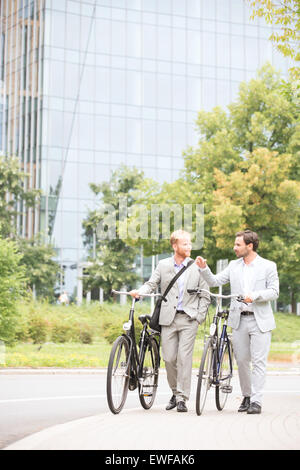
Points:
(12, 281)
(284, 15)
(245, 169)
(260, 195)
(13, 192)
(112, 259)
(42, 271)
(264, 115)
(145, 225)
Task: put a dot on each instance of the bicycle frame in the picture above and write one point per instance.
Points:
(133, 365)
(135, 356)
(219, 343)
(216, 367)
(223, 340)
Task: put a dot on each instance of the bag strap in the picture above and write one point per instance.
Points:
(176, 277)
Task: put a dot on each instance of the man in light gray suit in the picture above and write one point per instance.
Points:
(180, 315)
(257, 279)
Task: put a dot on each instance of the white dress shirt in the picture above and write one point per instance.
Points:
(180, 281)
(248, 281)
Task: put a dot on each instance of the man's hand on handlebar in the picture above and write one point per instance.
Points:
(135, 293)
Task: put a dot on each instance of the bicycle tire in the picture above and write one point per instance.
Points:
(204, 377)
(224, 377)
(150, 369)
(118, 375)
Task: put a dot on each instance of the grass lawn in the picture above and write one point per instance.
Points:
(66, 355)
(70, 355)
(105, 322)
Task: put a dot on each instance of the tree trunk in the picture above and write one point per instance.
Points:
(293, 302)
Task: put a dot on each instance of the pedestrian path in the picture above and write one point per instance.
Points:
(278, 427)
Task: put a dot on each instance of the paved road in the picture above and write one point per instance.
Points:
(31, 401)
(59, 398)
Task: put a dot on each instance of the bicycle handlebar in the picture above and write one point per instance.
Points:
(238, 297)
(141, 295)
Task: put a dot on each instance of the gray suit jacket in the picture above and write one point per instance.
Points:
(193, 306)
(265, 288)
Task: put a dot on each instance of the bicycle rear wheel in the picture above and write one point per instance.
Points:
(118, 375)
(204, 377)
(224, 379)
(150, 368)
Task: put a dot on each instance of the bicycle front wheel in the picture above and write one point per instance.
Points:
(150, 368)
(204, 377)
(224, 379)
(118, 375)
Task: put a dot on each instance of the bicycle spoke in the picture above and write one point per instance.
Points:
(117, 375)
(204, 377)
(224, 378)
(149, 375)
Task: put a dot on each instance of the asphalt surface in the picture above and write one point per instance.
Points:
(278, 427)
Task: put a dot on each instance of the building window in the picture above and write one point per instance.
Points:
(2, 45)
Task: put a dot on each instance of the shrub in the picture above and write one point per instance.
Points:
(12, 282)
(113, 330)
(38, 329)
(61, 332)
(86, 337)
(83, 333)
(22, 330)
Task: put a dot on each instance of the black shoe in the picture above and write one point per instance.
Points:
(254, 408)
(181, 407)
(172, 403)
(245, 404)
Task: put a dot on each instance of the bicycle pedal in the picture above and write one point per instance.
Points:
(132, 384)
(226, 388)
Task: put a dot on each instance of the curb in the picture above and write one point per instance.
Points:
(272, 369)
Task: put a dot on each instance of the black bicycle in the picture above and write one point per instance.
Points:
(216, 366)
(133, 366)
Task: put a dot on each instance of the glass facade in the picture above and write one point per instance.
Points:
(21, 31)
(89, 84)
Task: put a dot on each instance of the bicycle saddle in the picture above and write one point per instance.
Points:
(144, 318)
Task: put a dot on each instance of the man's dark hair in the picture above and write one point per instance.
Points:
(249, 237)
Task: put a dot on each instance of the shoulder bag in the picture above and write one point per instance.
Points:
(154, 322)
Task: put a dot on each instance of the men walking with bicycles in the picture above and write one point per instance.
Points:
(253, 322)
(180, 315)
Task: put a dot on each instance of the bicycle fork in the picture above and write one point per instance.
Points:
(221, 351)
(144, 389)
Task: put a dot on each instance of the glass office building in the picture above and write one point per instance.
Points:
(89, 84)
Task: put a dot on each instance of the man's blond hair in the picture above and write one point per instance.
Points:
(177, 235)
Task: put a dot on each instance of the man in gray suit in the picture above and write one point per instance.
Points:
(180, 315)
(257, 279)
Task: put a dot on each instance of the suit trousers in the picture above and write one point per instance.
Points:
(251, 347)
(177, 341)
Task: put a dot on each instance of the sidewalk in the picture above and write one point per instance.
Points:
(278, 427)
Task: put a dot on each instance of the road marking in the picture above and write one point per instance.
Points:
(71, 397)
(65, 397)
